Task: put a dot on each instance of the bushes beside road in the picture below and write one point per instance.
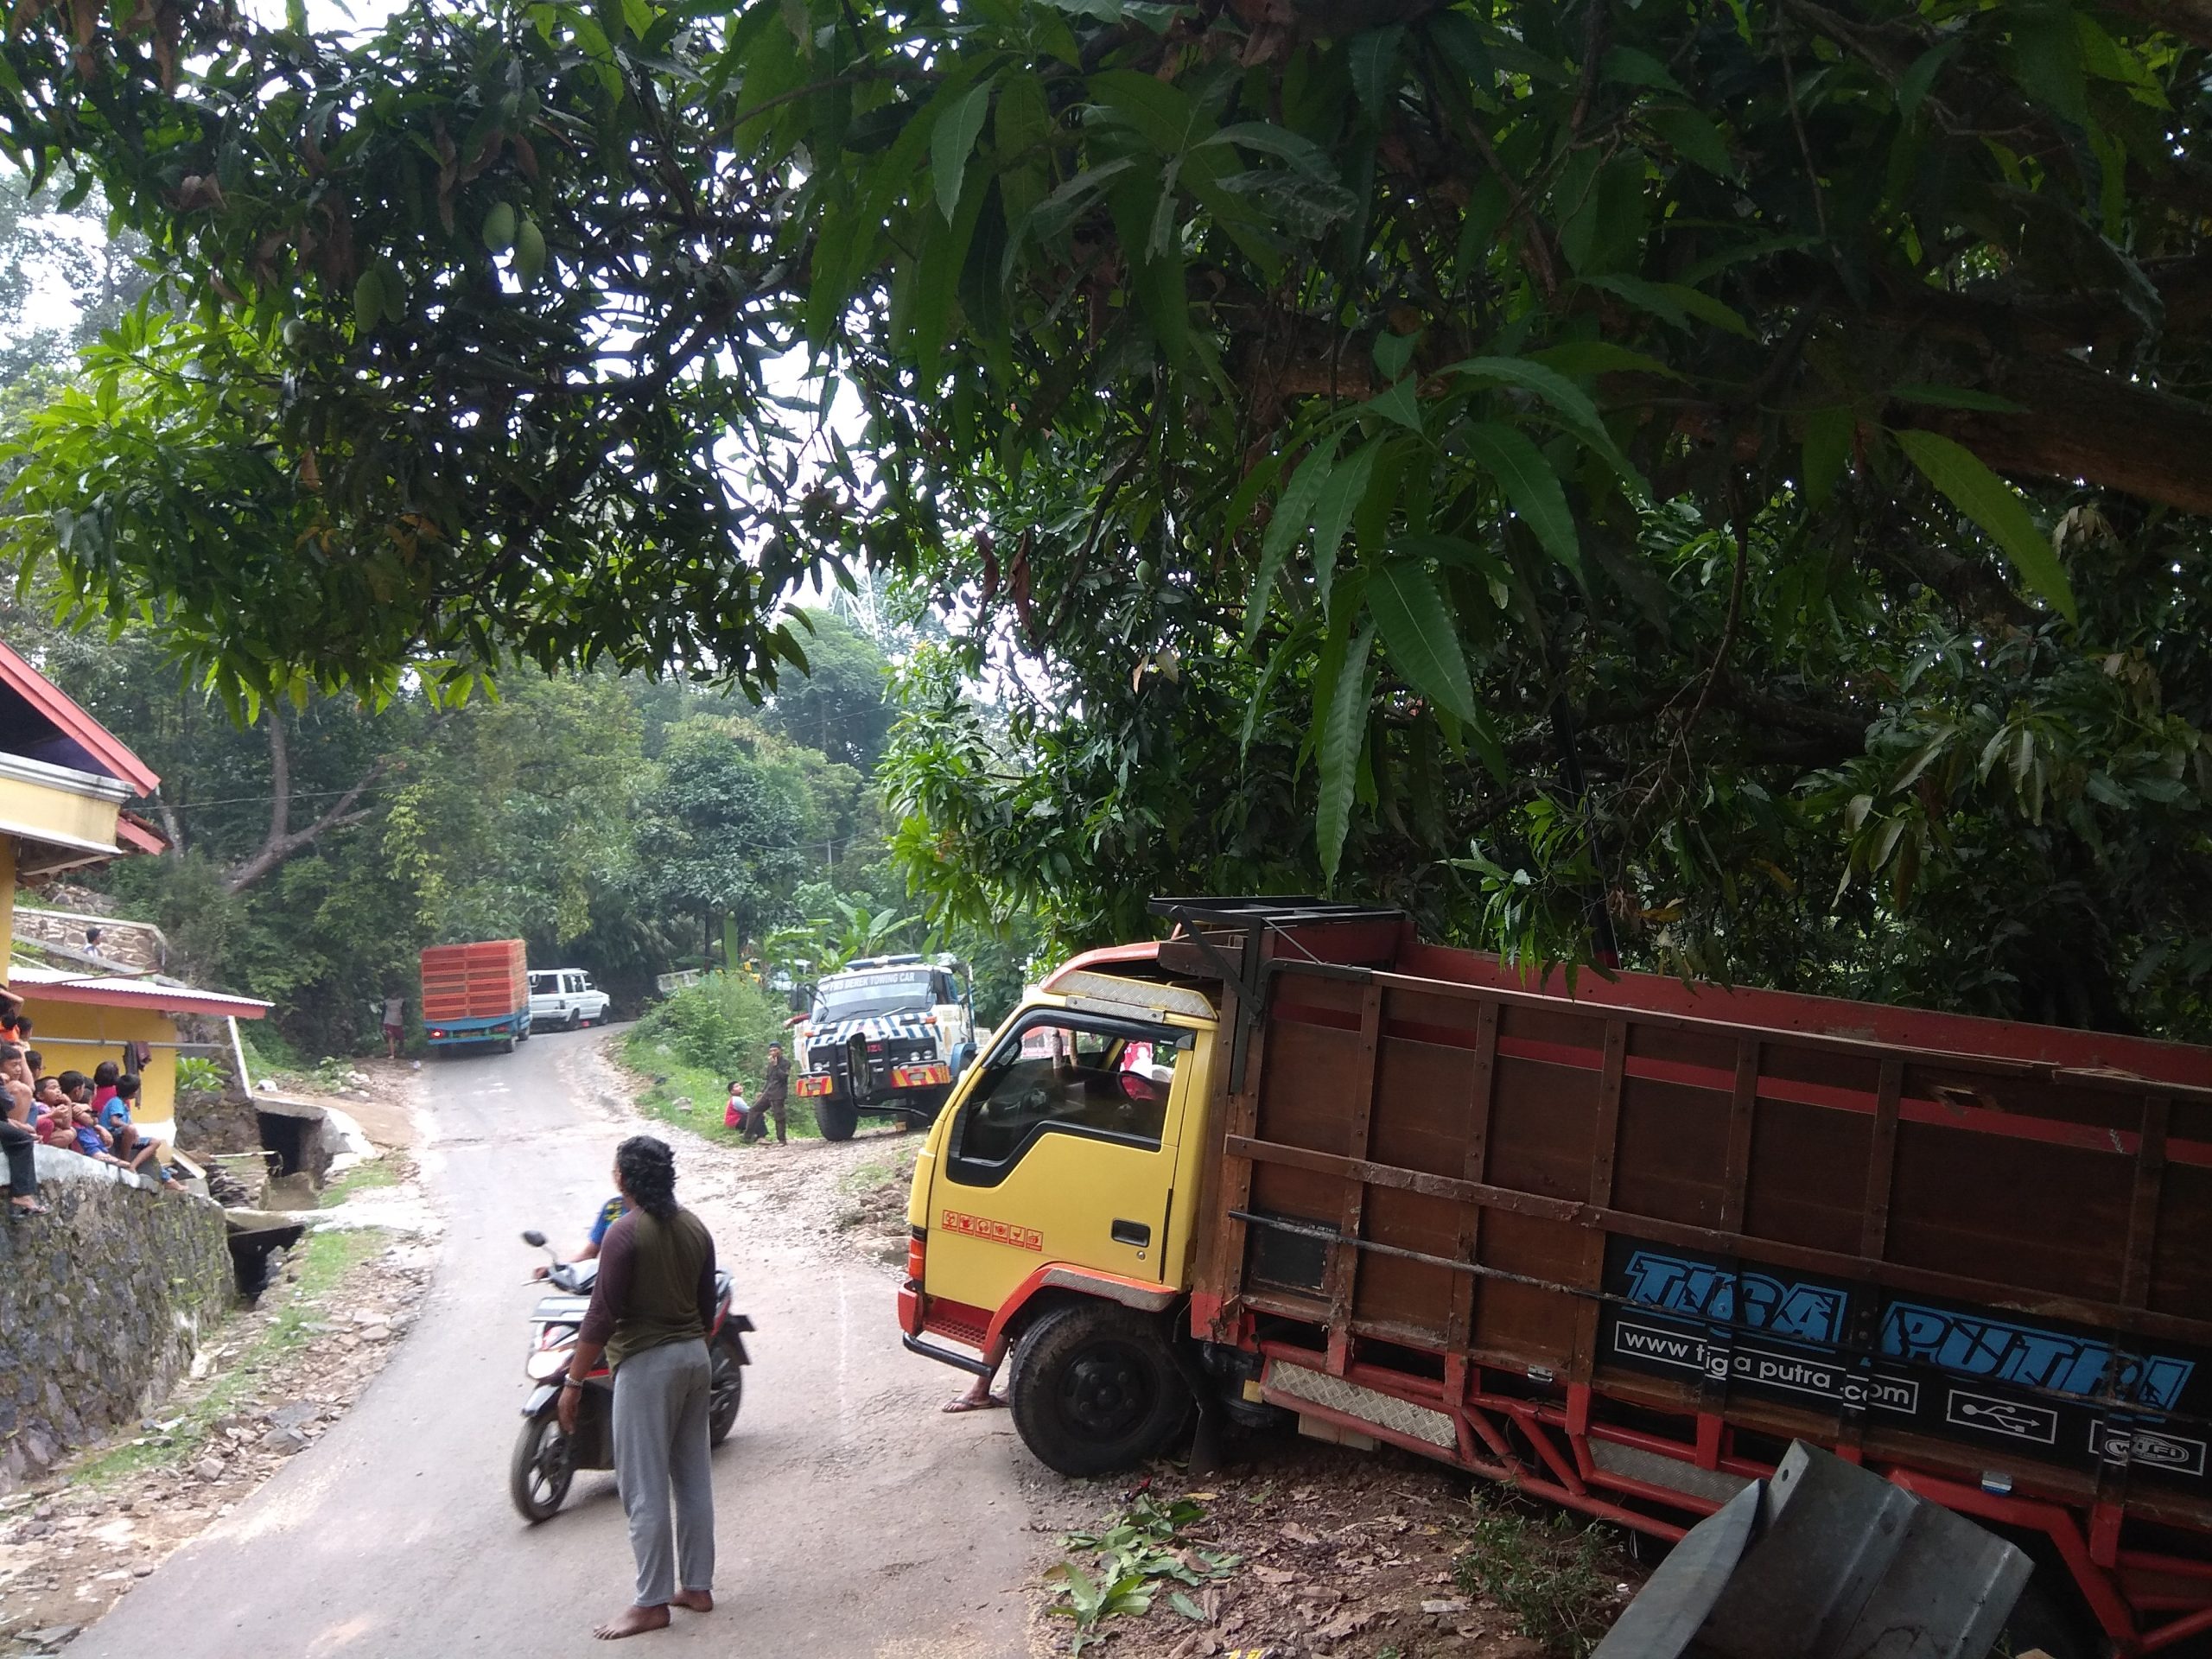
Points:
(696, 1040)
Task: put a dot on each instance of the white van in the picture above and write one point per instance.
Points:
(564, 998)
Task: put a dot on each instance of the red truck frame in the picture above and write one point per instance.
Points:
(1616, 1242)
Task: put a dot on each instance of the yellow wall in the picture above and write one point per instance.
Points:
(37, 806)
(78, 1036)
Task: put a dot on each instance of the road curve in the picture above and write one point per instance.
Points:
(852, 1518)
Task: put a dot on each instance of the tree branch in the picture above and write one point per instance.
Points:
(284, 841)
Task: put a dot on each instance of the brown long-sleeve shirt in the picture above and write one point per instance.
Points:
(656, 1285)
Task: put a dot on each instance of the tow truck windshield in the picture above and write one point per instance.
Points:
(856, 997)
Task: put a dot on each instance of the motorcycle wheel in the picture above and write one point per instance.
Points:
(726, 1392)
(539, 1472)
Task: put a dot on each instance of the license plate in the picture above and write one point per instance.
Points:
(815, 1085)
(916, 1077)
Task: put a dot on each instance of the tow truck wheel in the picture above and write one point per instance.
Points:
(837, 1119)
(1094, 1390)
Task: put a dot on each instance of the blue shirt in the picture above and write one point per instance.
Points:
(609, 1213)
(88, 1140)
(116, 1111)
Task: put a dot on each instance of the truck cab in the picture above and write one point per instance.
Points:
(884, 1036)
(1048, 1206)
(565, 998)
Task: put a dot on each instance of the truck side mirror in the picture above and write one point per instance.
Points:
(802, 998)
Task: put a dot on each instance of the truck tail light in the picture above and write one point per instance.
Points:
(917, 1252)
(875, 1048)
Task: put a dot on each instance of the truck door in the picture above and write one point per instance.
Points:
(1063, 1151)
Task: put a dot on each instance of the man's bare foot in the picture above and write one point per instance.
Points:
(632, 1621)
(698, 1601)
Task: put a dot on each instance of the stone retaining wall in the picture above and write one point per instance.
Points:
(101, 1305)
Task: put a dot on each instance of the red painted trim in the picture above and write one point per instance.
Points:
(1106, 958)
(137, 836)
(169, 1001)
(1035, 1282)
(2096, 1586)
(103, 745)
(2180, 1631)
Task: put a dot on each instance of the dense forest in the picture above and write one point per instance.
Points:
(1721, 488)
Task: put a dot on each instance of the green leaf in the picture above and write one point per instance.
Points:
(1417, 629)
(1913, 85)
(1675, 302)
(1393, 353)
(1374, 57)
(1182, 1604)
(2047, 56)
(953, 140)
(1958, 397)
(1997, 507)
(1626, 66)
(1591, 357)
(1333, 508)
(499, 227)
(1695, 139)
(1343, 732)
(1294, 513)
(1530, 485)
(1829, 434)
(1399, 404)
(1568, 400)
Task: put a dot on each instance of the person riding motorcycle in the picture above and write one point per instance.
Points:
(607, 1214)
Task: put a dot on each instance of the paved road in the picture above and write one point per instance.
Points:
(853, 1518)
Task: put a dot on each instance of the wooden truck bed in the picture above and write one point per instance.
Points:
(480, 981)
(1579, 1230)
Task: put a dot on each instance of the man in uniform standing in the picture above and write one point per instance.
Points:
(775, 1084)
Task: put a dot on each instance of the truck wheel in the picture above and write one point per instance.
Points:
(837, 1119)
(1094, 1390)
(507, 1046)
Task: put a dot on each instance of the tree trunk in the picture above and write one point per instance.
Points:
(282, 840)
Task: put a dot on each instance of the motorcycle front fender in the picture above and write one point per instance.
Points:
(543, 1399)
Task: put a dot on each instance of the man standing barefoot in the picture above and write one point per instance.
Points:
(651, 1309)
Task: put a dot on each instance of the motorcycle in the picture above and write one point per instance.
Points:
(545, 1460)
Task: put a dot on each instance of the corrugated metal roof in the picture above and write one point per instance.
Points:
(122, 991)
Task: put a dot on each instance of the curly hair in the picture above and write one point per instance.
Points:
(648, 1171)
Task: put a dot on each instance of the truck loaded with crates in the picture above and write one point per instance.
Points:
(1616, 1240)
(884, 1036)
(476, 994)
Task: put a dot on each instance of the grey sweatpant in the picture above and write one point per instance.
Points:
(661, 1399)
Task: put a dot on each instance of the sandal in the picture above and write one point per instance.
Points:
(28, 1207)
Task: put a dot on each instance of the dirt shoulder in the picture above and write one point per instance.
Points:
(271, 1381)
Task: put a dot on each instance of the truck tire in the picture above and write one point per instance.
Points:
(1094, 1390)
(837, 1119)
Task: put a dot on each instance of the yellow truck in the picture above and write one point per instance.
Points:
(1617, 1241)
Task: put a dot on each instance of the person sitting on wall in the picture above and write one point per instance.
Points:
(143, 1157)
(121, 1102)
(19, 1143)
(104, 1076)
(15, 1069)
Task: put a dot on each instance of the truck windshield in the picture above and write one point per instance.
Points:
(855, 996)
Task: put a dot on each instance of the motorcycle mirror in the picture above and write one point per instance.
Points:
(534, 1239)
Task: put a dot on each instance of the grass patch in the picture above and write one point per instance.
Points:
(323, 1260)
(1555, 1579)
(672, 1080)
(865, 1177)
(362, 1177)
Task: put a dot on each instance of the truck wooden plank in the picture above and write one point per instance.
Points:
(1619, 1241)
(476, 992)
